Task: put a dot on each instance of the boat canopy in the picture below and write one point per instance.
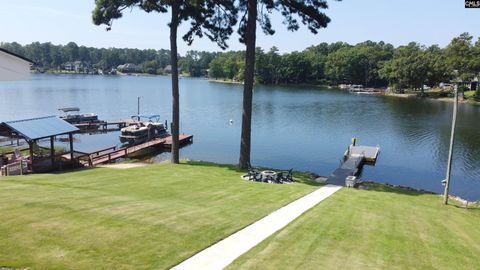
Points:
(36, 128)
(146, 116)
(69, 109)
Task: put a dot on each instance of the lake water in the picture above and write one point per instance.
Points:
(305, 128)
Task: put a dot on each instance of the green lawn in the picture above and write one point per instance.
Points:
(143, 218)
(26, 151)
(6, 149)
(380, 228)
(470, 94)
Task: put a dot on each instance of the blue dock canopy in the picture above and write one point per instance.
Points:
(37, 128)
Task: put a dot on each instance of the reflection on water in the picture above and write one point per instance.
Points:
(301, 127)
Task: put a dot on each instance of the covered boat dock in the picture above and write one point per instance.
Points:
(32, 131)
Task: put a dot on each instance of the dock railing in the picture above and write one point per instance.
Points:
(16, 168)
(112, 153)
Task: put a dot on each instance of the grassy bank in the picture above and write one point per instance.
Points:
(156, 216)
(470, 94)
(26, 151)
(6, 149)
(467, 100)
(142, 218)
(227, 81)
(379, 228)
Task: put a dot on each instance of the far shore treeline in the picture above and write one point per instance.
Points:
(373, 64)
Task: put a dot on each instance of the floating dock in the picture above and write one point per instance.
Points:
(111, 154)
(103, 126)
(354, 159)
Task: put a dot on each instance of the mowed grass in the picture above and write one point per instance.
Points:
(142, 218)
(470, 94)
(380, 228)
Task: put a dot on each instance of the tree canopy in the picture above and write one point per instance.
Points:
(211, 18)
(325, 63)
(310, 12)
(215, 19)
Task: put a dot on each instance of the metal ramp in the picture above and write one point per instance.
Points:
(354, 159)
(350, 167)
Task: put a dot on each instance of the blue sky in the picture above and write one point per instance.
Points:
(397, 22)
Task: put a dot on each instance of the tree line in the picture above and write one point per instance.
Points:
(373, 64)
(49, 56)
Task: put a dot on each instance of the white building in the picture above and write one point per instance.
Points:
(13, 66)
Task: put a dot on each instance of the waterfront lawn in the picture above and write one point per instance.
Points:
(470, 94)
(142, 218)
(380, 228)
(26, 150)
(6, 149)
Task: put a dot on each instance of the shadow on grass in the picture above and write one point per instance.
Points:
(299, 177)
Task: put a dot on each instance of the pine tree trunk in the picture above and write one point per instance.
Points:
(245, 142)
(175, 91)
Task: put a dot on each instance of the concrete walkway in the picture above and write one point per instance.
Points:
(221, 254)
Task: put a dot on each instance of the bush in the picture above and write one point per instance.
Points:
(463, 88)
(438, 94)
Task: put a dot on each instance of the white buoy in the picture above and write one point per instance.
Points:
(231, 121)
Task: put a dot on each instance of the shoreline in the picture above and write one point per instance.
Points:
(380, 93)
(440, 99)
(224, 82)
(314, 176)
(422, 191)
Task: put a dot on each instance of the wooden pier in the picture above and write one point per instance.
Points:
(111, 154)
(354, 159)
(103, 126)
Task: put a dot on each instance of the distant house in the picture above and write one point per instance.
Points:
(474, 84)
(129, 68)
(168, 69)
(77, 66)
(471, 84)
(446, 86)
(13, 66)
(68, 66)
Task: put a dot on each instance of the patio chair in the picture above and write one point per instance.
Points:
(273, 179)
(253, 175)
(279, 177)
(286, 176)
